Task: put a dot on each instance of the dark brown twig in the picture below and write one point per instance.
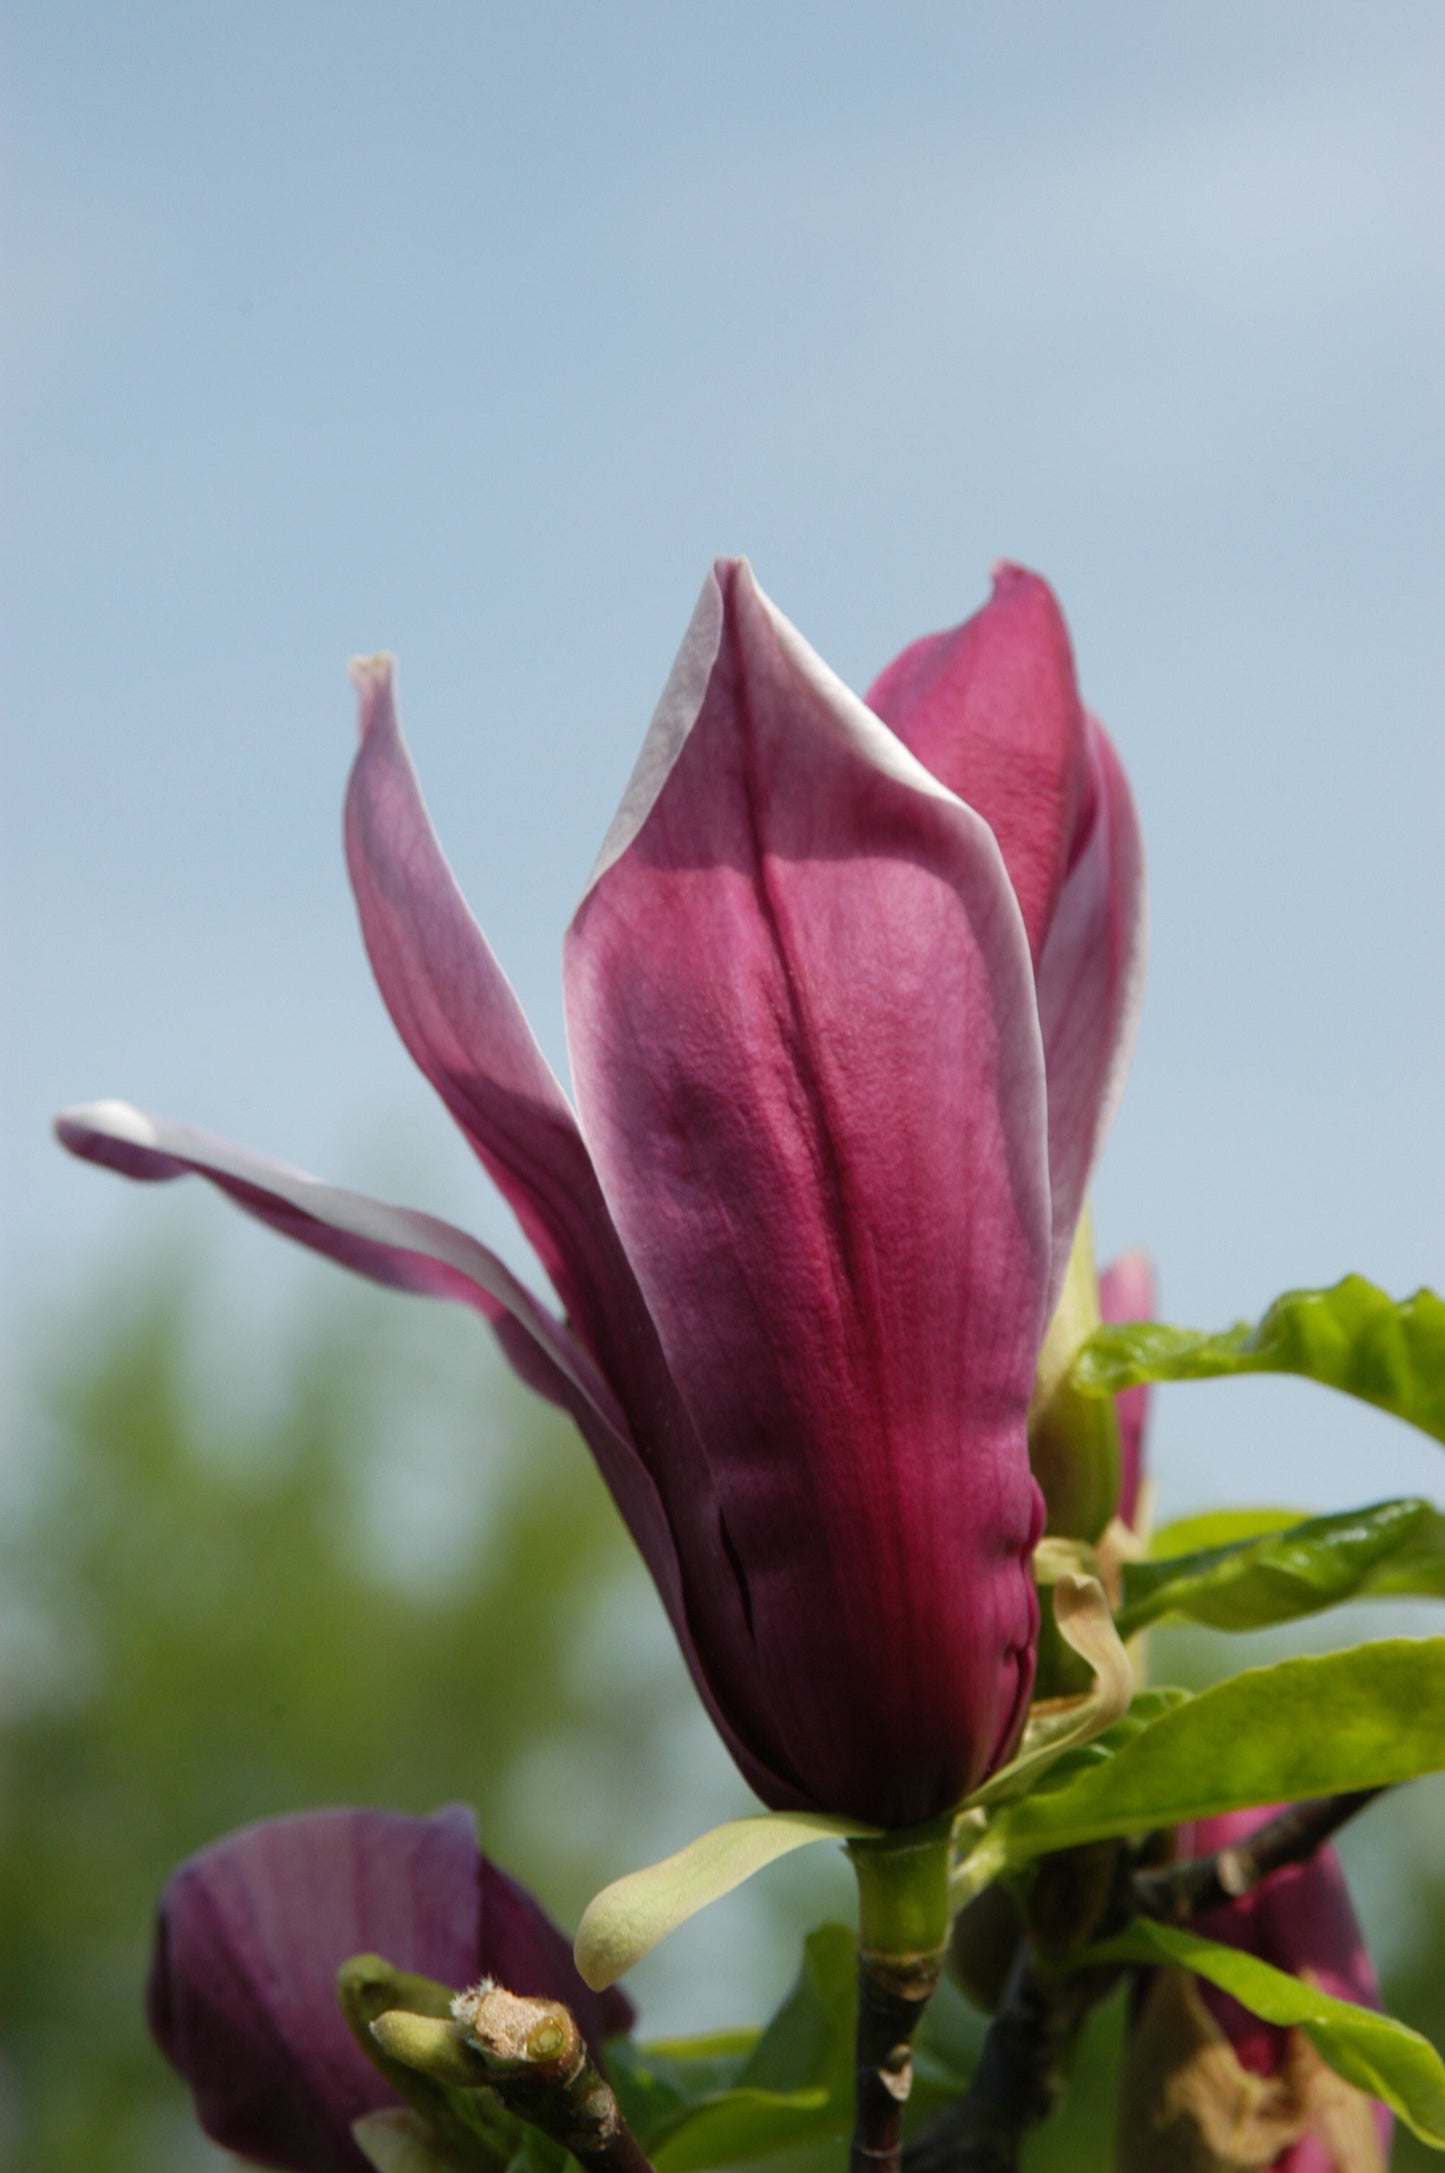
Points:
(1180, 1891)
(1020, 2072)
(892, 1994)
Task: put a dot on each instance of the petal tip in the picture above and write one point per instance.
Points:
(116, 1120)
(374, 678)
(1010, 578)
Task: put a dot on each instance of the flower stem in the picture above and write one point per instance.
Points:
(902, 1940)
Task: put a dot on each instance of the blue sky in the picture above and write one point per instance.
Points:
(475, 333)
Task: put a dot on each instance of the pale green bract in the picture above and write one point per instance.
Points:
(626, 1920)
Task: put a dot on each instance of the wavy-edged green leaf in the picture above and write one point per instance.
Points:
(1307, 1726)
(793, 2085)
(1353, 1337)
(1377, 2054)
(1219, 1528)
(1391, 1547)
(626, 1920)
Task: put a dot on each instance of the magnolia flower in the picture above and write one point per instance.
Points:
(242, 1991)
(1205, 2075)
(849, 996)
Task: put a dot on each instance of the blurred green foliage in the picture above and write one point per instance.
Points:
(378, 1573)
(202, 1626)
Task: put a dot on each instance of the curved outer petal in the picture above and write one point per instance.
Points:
(992, 707)
(1127, 1292)
(395, 1246)
(414, 1252)
(807, 1055)
(461, 1021)
(457, 1013)
(242, 1989)
(1091, 980)
(1300, 1919)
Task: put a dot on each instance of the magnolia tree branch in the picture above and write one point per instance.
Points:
(891, 2000)
(1020, 2072)
(1177, 1892)
(1045, 2002)
(532, 2054)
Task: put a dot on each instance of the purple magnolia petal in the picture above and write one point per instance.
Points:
(409, 1251)
(800, 1004)
(242, 1990)
(993, 709)
(459, 1017)
(1090, 984)
(1300, 1919)
(395, 1246)
(462, 1023)
(1127, 1292)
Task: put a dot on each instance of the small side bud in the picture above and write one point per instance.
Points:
(433, 2047)
(367, 1985)
(1074, 1438)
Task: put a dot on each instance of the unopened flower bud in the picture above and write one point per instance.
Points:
(432, 2046)
(1073, 1437)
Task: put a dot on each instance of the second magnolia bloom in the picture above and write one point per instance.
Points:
(849, 997)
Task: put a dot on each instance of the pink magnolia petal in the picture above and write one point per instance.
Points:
(1090, 983)
(415, 1252)
(395, 1246)
(800, 1004)
(992, 708)
(242, 1990)
(1127, 1292)
(459, 1017)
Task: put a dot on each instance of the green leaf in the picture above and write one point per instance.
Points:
(794, 2086)
(626, 1920)
(1308, 1726)
(1375, 2053)
(1352, 1337)
(1219, 1528)
(661, 2081)
(1393, 1546)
